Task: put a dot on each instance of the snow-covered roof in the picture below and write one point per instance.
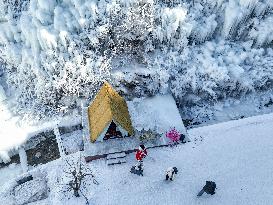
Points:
(158, 113)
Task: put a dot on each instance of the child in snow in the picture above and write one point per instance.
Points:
(171, 172)
(140, 154)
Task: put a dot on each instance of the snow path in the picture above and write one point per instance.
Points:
(237, 155)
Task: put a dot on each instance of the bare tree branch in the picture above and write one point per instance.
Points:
(78, 172)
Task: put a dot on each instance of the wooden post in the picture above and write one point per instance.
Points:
(23, 159)
(59, 141)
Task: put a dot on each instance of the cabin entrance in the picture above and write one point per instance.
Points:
(112, 132)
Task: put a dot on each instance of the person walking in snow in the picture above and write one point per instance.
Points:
(209, 188)
(140, 154)
(171, 172)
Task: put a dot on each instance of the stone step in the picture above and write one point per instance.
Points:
(116, 161)
(116, 155)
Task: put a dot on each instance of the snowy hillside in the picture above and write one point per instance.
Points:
(236, 155)
(203, 51)
(212, 58)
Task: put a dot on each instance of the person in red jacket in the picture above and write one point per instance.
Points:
(140, 154)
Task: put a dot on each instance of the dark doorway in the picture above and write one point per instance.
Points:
(112, 132)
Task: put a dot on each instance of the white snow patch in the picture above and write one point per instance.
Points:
(8, 173)
(72, 142)
(158, 113)
(236, 155)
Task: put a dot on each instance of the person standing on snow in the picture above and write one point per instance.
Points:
(140, 154)
(209, 188)
(171, 172)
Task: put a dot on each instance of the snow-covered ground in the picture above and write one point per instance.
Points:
(72, 142)
(237, 155)
(9, 173)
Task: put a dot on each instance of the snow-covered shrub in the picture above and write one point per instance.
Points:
(173, 135)
(148, 136)
(204, 30)
(141, 84)
(12, 9)
(172, 28)
(131, 24)
(261, 33)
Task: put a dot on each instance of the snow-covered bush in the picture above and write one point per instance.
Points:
(12, 9)
(172, 28)
(173, 135)
(261, 33)
(130, 26)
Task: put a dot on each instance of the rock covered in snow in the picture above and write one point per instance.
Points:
(30, 191)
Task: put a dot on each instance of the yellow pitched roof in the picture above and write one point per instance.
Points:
(108, 105)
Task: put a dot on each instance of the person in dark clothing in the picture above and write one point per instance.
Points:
(209, 188)
(182, 138)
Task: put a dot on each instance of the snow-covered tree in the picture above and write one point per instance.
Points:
(77, 177)
(56, 53)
